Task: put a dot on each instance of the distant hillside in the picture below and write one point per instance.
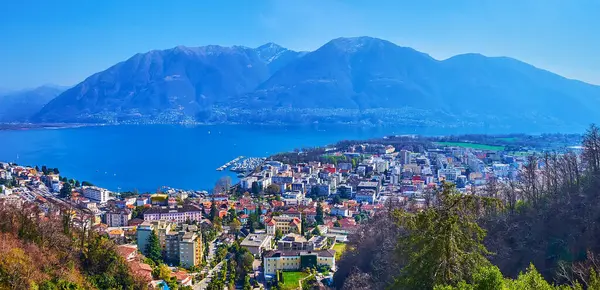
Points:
(174, 84)
(349, 80)
(19, 106)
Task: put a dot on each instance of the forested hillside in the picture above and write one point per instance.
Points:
(541, 232)
(56, 253)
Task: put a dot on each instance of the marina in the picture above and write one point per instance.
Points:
(230, 163)
(247, 165)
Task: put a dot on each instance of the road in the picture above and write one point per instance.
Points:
(204, 283)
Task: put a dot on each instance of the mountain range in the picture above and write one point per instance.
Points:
(347, 80)
(20, 106)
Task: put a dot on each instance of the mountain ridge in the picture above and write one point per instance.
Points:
(21, 105)
(351, 77)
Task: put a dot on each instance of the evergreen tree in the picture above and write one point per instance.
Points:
(303, 226)
(153, 249)
(319, 215)
(213, 211)
(444, 245)
(65, 191)
(255, 188)
(55, 170)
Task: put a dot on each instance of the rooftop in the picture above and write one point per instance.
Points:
(322, 253)
(254, 240)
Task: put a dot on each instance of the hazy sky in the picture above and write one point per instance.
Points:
(63, 42)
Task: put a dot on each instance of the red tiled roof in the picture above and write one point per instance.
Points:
(126, 251)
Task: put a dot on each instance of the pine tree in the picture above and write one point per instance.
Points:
(319, 216)
(444, 245)
(153, 249)
(65, 191)
(213, 211)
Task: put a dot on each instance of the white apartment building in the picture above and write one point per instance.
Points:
(100, 195)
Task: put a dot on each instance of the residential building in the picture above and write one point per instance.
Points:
(285, 224)
(369, 185)
(340, 211)
(171, 249)
(292, 242)
(100, 195)
(365, 195)
(179, 214)
(117, 217)
(190, 250)
(296, 260)
(144, 230)
(257, 243)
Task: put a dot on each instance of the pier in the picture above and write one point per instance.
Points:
(230, 163)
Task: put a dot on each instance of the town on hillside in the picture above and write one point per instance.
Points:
(284, 224)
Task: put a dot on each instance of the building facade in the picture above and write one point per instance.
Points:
(179, 214)
(297, 260)
(285, 224)
(190, 250)
(96, 194)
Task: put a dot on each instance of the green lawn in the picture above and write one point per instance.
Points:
(339, 248)
(472, 145)
(290, 280)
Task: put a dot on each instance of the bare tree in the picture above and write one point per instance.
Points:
(591, 149)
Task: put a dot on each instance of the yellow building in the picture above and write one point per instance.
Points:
(297, 260)
(190, 250)
(285, 224)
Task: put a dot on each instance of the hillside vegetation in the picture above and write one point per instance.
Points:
(57, 253)
(539, 233)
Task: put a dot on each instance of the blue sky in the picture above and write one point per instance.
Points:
(63, 42)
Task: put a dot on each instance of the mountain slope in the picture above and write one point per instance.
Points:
(365, 73)
(353, 73)
(20, 106)
(173, 84)
(358, 80)
(276, 56)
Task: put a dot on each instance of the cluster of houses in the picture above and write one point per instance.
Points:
(353, 185)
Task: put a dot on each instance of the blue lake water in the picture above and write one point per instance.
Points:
(150, 156)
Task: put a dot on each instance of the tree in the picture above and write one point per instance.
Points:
(303, 226)
(44, 169)
(255, 188)
(314, 191)
(316, 231)
(273, 189)
(66, 190)
(213, 211)
(319, 215)
(37, 168)
(278, 234)
(247, 285)
(591, 152)
(235, 225)
(153, 249)
(444, 245)
(55, 170)
(337, 199)
(77, 184)
(337, 224)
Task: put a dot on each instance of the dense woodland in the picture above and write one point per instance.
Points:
(58, 252)
(542, 232)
